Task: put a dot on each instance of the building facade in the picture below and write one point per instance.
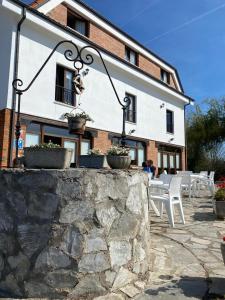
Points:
(154, 120)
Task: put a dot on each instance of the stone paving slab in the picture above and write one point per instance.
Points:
(186, 261)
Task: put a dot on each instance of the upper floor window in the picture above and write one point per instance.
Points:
(64, 90)
(165, 76)
(131, 56)
(169, 121)
(131, 110)
(77, 23)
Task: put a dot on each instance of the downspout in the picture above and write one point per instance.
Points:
(185, 133)
(15, 75)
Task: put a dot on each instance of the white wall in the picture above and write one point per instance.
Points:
(98, 99)
(7, 38)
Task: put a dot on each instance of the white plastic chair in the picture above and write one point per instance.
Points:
(209, 182)
(165, 178)
(184, 172)
(172, 198)
(204, 173)
(188, 184)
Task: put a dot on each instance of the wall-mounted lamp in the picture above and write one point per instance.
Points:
(170, 140)
(131, 131)
(162, 105)
(85, 72)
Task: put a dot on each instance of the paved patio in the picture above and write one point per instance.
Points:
(186, 260)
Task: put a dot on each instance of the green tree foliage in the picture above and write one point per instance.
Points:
(206, 137)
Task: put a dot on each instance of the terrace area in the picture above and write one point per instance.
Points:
(186, 261)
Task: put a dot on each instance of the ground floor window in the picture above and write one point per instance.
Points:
(169, 159)
(137, 150)
(71, 145)
(37, 133)
(32, 139)
(85, 147)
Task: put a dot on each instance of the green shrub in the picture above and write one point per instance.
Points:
(48, 145)
(220, 195)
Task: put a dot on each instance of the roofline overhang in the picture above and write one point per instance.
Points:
(85, 39)
(90, 9)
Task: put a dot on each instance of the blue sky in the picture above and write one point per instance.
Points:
(188, 34)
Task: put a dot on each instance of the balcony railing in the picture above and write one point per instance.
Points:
(64, 95)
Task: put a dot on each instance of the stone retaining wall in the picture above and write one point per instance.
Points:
(79, 233)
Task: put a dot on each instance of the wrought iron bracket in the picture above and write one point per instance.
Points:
(80, 57)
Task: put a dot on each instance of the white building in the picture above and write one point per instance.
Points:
(158, 103)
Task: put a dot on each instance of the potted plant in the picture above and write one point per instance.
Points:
(95, 159)
(223, 249)
(118, 157)
(77, 122)
(47, 156)
(220, 203)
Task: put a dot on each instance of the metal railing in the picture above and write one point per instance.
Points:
(64, 95)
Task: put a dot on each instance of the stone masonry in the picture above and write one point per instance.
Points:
(74, 233)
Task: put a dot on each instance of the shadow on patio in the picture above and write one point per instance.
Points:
(190, 287)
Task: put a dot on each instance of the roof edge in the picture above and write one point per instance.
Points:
(38, 3)
(34, 11)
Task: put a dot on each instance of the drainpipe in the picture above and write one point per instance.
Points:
(15, 75)
(185, 134)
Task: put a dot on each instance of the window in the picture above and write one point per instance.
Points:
(165, 76)
(77, 23)
(71, 145)
(131, 110)
(64, 90)
(169, 159)
(137, 150)
(169, 121)
(178, 161)
(131, 56)
(85, 147)
(32, 139)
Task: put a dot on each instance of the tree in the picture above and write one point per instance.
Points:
(206, 137)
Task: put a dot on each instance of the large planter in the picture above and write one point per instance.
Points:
(119, 162)
(220, 209)
(223, 251)
(93, 161)
(76, 125)
(51, 158)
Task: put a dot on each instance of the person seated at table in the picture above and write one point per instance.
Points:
(151, 167)
(145, 167)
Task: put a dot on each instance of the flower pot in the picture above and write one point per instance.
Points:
(223, 251)
(119, 162)
(220, 209)
(50, 158)
(76, 125)
(93, 161)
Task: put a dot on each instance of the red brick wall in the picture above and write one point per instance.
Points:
(59, 14)
(106, 40)
(102, 142)
(183, 159)
(152, 153)
(5, 116)
(149, 67)
(109, 42)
